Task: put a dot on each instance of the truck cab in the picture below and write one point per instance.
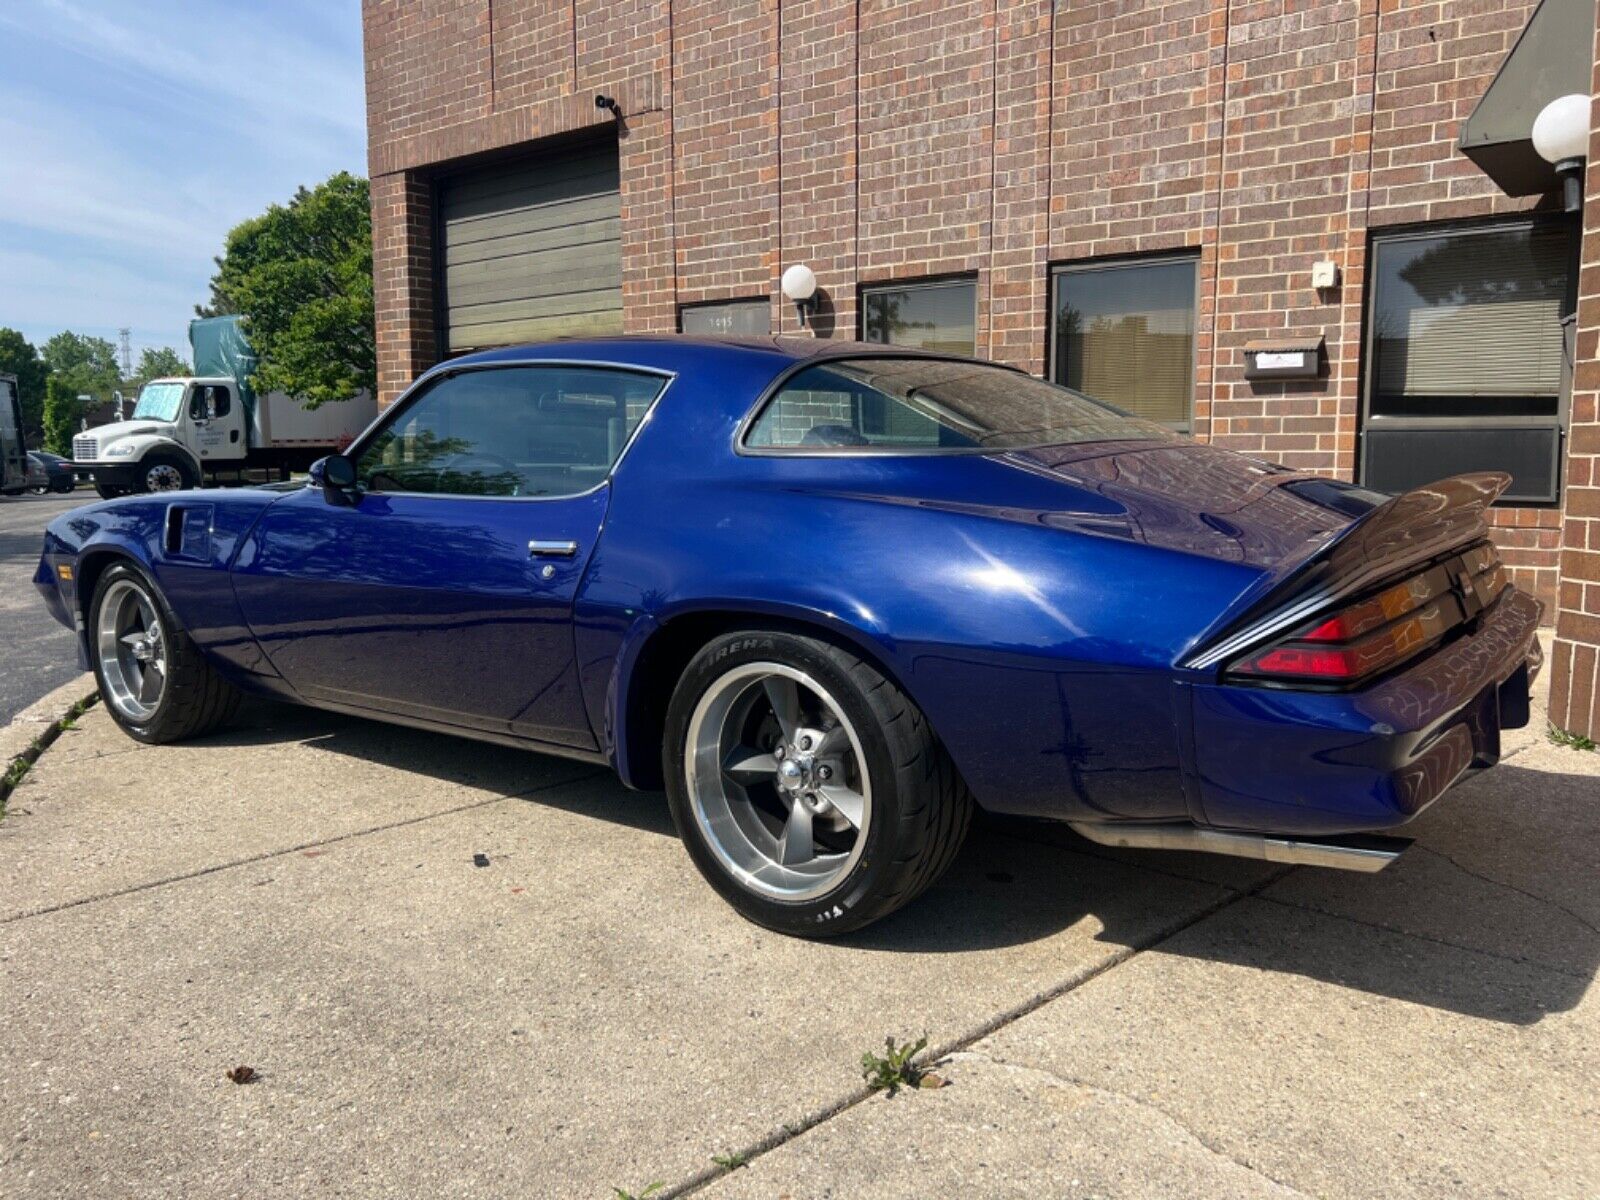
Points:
(180, 430)
(13, 453)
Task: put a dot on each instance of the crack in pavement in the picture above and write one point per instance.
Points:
(788, 1132)
(1511, 887)
(302, 846)
(1059, 1079)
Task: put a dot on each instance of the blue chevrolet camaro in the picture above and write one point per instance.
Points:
(831, 597)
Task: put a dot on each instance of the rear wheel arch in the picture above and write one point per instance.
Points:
(661, 661)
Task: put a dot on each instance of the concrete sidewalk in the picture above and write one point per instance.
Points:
(299, 895)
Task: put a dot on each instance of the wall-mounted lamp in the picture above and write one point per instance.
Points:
(800, 285)
(1561, 137)
(609, 103)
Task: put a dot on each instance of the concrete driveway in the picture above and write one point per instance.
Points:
(300, 895)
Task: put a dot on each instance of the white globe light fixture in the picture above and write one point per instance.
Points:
(1561, 138)
(800, 285)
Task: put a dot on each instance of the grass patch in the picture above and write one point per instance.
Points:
(1565, 737)
(18, 768)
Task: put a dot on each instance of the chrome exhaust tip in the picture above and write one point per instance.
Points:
(1364, 852)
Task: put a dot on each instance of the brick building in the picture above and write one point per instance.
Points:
(1130, 196)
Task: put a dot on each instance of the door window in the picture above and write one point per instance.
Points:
(510, 431)
(208, 402)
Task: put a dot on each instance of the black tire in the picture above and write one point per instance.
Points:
(195, 699)
(108, 492)
(164, 464)
(920, 807)
(63, 489)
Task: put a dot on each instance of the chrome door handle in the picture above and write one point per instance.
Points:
(538, 549)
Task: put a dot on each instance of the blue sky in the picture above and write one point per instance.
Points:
(133, 136)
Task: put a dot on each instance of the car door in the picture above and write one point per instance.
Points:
(442, 589)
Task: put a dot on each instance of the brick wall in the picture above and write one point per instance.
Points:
(896, 139)
(1575, 681)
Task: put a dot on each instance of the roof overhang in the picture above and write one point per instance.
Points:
(1553, 57)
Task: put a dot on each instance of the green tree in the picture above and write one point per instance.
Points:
(156, 362)
(301, 274)
(87, 364)
(19, 358)
(62, 412)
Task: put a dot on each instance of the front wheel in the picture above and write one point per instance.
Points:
(163, 471)
(156, 683)
(108, 492)
(809, 790)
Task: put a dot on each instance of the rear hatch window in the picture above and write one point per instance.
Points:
(910, 405)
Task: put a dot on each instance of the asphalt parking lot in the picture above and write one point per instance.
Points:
(300, 895)
(39, 652)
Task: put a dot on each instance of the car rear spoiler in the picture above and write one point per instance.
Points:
(1407, 531)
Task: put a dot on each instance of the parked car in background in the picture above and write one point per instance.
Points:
(833, 597)
(183, 432)
(50, 473)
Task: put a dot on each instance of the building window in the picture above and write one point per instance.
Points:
(729, 317)
(1467, 356)
(928, 316)
(1124, 334)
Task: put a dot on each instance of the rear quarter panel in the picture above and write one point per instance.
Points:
(1041, 653)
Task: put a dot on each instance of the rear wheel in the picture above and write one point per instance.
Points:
(156, 683)
(108, 492)
(809, 790)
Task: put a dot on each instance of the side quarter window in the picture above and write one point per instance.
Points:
(510, 432)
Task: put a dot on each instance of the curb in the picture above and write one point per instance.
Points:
(31, 731)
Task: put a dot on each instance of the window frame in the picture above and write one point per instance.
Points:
(1369, 357)
(1124, 262)
(729, 302)
(922, 283)
(431, 378)
(743, 449)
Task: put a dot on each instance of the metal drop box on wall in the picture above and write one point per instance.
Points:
(1284, 358)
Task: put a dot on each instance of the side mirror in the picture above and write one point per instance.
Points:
(336, 476)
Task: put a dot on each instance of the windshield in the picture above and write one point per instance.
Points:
(929, 405)
(159, 402)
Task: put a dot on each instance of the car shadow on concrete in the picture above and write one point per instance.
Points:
(1494, 913)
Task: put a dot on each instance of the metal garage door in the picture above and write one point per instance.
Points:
(533, 250)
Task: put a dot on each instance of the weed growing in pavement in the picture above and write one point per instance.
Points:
(894, 1069)
(623, 1194)
(730, 1162)
(1565, 737)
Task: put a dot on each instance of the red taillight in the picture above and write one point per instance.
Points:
(1298, 660)
(1369, 637)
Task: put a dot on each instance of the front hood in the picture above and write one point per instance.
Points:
(1204, 500)
(118, 430)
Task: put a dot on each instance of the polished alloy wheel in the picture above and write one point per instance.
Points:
(163, 477)
(777, 782)
(133, 650)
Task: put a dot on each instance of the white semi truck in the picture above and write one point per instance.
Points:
(187, 431)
